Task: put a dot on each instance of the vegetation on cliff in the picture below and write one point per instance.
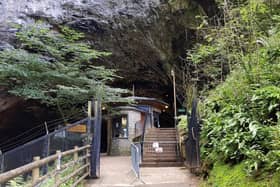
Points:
(241, 116)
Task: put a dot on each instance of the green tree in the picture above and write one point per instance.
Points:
(56, 68)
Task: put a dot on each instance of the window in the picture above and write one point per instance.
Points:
(120, 127)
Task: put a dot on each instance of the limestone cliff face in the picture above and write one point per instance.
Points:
(146, 37)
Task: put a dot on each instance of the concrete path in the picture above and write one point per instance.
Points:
(116, 171)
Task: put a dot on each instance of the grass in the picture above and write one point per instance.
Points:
(223, 175)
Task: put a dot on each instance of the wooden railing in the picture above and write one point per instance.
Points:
(79, 162)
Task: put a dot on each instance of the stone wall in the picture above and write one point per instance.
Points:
(120, 146)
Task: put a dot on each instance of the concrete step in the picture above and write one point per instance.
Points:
(164, 147)
(160, 144)
(161, 164)
(163, 140)
(160, 135)
(160, 159)
(160, 132)
(162, 129)
(169, 153)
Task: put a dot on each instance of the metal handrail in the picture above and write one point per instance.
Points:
(143, 132)
(178, 141)
(136, 159)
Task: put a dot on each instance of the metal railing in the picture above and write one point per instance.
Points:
(192, 142)
(79, 163)
(61, 139)
(168, 146)
(136, 158)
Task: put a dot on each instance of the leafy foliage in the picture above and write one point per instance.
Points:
(55, 68)
(182, 125)
(241, 115)
(224, 175)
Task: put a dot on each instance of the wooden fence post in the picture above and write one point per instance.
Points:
(89, 122)
(35, 171)
(76, 156)
(58, 167)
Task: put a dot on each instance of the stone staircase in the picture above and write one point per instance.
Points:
(160, 148)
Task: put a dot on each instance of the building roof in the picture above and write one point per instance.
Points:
(150, 101)
(131, 108)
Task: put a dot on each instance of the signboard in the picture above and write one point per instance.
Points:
(159, 150)
(82, 128)
(182, 110)
(155, 145)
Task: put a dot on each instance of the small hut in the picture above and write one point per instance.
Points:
(130, 123)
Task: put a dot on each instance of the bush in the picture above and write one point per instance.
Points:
(241, 116)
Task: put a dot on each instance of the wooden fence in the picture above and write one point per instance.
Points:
(80, 163)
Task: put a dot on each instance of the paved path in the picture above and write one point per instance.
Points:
(116, 171)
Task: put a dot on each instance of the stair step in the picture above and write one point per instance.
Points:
(160, 132)
(167, 139)
(163, 140)
(147, 145)
(160, 158)
(161, 164)
(159, 154)
(160, 135)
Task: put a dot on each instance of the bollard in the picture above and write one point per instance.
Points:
(35, 171)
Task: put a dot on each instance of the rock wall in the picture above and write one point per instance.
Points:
(146, 37)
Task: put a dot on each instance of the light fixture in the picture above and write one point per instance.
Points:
(166, 106)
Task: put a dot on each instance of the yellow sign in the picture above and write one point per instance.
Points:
(82, 128)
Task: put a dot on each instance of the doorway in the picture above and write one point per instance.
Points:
(104, 139)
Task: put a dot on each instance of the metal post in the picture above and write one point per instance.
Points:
(174, 95)
(1, 162)
(46, 152)
(133, 90)
(1, 166)
(95, 145)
